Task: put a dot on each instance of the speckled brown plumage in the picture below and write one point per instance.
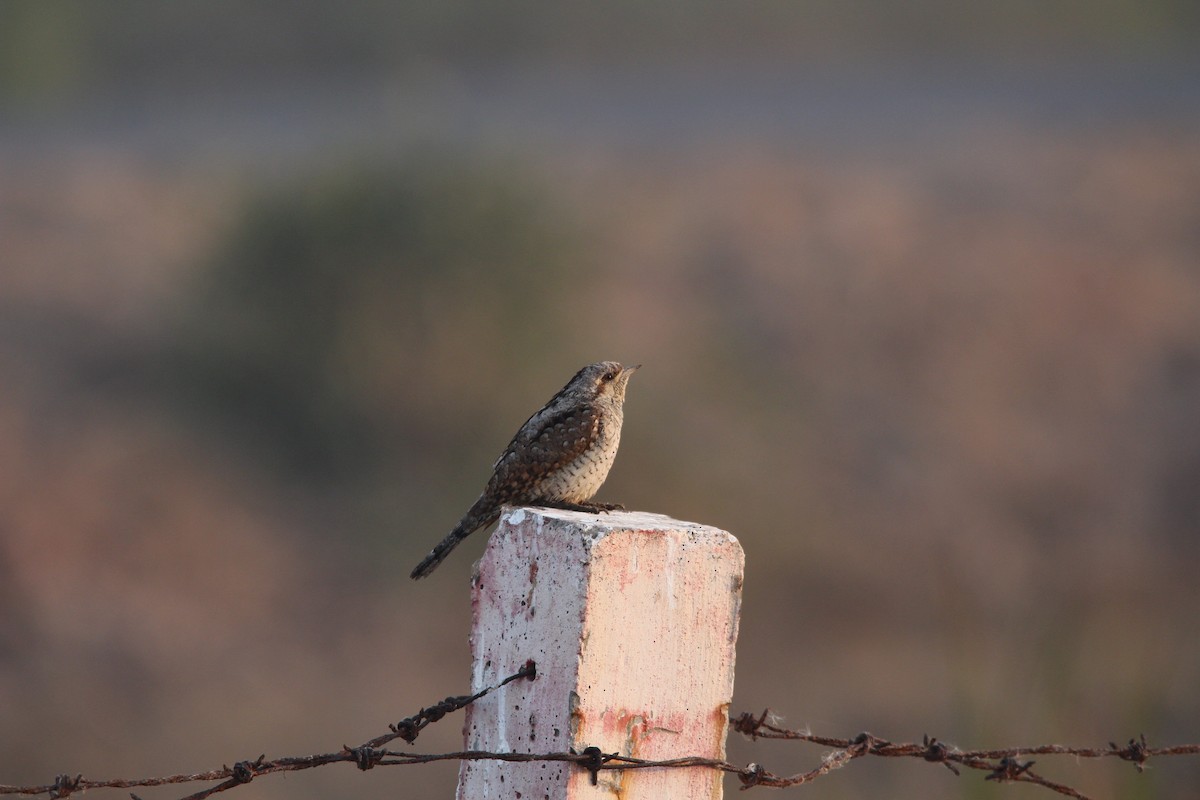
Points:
(559, 457)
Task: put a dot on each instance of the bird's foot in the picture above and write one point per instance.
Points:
(592, 508)
(605, 507)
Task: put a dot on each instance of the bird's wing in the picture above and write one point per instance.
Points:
(538, 424)
(546, 442)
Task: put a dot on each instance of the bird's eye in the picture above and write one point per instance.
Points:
(608, 376)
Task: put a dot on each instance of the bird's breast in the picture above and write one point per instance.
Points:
(578, 480)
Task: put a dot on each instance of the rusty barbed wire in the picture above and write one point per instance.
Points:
(364, 756)
(1001, 765)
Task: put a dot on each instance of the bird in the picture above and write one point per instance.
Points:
(559, 458)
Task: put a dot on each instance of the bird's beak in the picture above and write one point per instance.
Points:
(630, 370)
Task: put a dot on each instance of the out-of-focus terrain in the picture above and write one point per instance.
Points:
(925, 338)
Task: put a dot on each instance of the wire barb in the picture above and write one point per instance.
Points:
(1136, 751)
(747, 724)
(365, 757)
(65, 786)
(865, 743)
(244, 771)
(1009, 769)
(938, 753)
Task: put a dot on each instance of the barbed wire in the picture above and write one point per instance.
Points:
(1001, 765)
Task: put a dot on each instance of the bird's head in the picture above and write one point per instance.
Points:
(604, 379)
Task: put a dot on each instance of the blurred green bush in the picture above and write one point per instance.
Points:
(337, 321)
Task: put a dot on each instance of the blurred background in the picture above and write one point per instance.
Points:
(916, 288)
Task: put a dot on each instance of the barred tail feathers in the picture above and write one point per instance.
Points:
(440, 551)
(482, 514)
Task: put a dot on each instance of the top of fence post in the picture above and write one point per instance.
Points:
(632, 620)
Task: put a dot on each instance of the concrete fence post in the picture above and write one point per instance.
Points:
(632, 619)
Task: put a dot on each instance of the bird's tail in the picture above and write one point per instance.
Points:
(443, 548)
(481, 514)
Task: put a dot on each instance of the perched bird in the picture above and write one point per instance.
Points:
(559, 457)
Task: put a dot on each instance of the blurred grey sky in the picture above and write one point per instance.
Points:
(192, 80)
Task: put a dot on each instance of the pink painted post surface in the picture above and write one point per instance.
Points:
(632, 619)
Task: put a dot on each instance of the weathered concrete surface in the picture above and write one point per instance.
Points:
(632, 619)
